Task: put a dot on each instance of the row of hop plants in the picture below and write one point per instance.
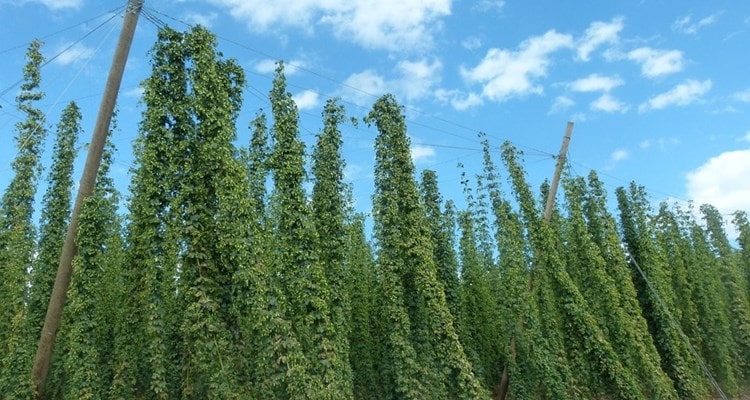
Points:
(225, 279)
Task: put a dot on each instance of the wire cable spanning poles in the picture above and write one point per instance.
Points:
(672, 319)
(99, 138)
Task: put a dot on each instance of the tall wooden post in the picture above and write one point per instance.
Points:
(558, 170)
(561, 157)
(86, 188)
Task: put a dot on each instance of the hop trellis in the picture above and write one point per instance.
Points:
(223, 281)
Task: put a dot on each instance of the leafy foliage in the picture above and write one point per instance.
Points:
(425, 357)
(55, 214)
(18, 233)
(329, 208)
(87, 338)
(658, 304)
(296, 262)
(230, 280)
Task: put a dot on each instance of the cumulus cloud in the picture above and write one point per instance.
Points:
(306, 99)
(412, 80)
(561, 104)
(489, 5)
(73, 54)
(620, 155)
(743, 96)
(417, 78)
(136, 92)
(205, 19)
(459, 100)
(362, 87)
(268, 66)
(722, 181)
(420, 152)
(687, 26)
(656, 63)
(607, 103)
(471, 43)
(598, 34)
(661, 143)
(681, 95)
(578, 117)
(52, 4)
(505, 73)
(394, 25)
(595, 83)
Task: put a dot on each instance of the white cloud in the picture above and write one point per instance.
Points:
(681, 95)
(722, 181)
(595, 83)
(394, 25)
(417, 78)
(306, 99)
(205, 19)
(597, 34)
(489, 5)
(413, 80)
(578, 117)
(466, 102)
(361, 88)
(655, 63)
(561, 104)
(471, 43)
(620, 155)
(504, 74)
(746, 138)
(459, 100)
(614, 54)
(263, 15)
(268, 66)
(55, 4)
(136, 92)
(743, 96)
(687, 26)
(607, 103)
(76, 53)
(420, 152)
(661, 142)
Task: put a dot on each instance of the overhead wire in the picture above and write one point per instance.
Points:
(650, 191)
(58, 54)
(115, 10)
(332, 80)
(65, 90)
(155, 17)
(528, 150)
(676, 324)
(149, 14)
(531, 151)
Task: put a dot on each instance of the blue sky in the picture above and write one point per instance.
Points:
(659, 91)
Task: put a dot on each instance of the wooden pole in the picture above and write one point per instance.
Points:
(558, 170)
(86, 188)
(561, 157)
